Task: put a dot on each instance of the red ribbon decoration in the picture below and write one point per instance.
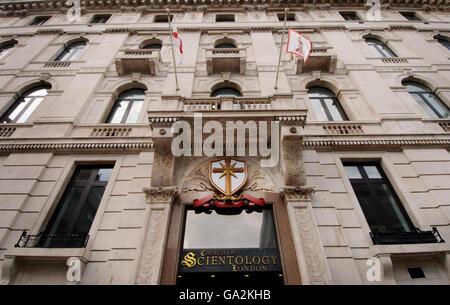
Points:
(249, 200)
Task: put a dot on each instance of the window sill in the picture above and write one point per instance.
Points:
(54, 254)
(409, 250)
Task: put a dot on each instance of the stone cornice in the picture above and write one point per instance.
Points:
(76, 147)
(22, 8)
(376, 144)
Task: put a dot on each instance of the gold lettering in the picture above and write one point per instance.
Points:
(246, 261)
(214, 260)
(274, 259)
(256, 262)
(200, 258)
(207, 261)
(222, 260)
(264, 268)
(230, 259)
(265, 260)
(239, 258)
(234, 268)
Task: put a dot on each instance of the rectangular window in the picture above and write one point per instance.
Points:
(40, 20)
(289, 17)
(72, 219)
(381, 206)
(411, 16)
(100, 18)
(349, 15)
(225, 18)
(162, 19)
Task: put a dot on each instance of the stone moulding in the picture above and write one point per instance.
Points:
(77, 147)
(163, 194)
(10, 7)
(376, 143)
(297, 193)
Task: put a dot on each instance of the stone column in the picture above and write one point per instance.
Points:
(310, 254)
(159, 201)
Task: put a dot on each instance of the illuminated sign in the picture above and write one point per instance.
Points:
(229, 260)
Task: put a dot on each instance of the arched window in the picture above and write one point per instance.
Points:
(152, 46)
(7, 48)
(225, 91)
(127, 107)
(443, 40)
(325, 104)
(225, 45)
(25, 105)
(427, 99)
(71, 51)
(380, 47)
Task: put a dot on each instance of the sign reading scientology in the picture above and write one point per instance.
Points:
(230, 260)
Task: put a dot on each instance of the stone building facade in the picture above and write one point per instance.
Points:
(374, 95)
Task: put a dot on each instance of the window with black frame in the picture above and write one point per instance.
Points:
(325, 104)
(380, 47)
(72, 219)
(6, 48)
(443, 40)
(350, 16)
(21, 110)
(387, 218)
(428, 100)
(229, 245)
(100, 19)
(127, 107)
(40, 20)
(71, 52)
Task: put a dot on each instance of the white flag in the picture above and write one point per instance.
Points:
(178, 42)
(299, 45)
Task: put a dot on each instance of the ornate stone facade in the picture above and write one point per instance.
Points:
(131, 229)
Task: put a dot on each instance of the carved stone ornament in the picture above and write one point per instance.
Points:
(297, 193)
(160, 194)
(198, 180)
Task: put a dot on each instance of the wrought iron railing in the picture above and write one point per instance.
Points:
(59, 240)
(414, 237)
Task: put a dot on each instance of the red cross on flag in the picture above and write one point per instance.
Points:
(178, 42)
(299, 45)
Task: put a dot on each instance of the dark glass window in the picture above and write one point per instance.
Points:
(226, 92)
(162, 18)
(25, 105)
(411, 16)
(72, 218)
(127, 108)
(289, 17)
(428, 100)
(100, 18)
(444, 41)
(325, 104)
(225, 45)
(40, 20)
(225, 18)
(153, 46)
(71, 52)
(349, 15)
(380, 47)
(244, 230)
(380, 204)
(5, 49)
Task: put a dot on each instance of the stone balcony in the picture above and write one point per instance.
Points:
(220, 60)
(138, 61)
(319, 60)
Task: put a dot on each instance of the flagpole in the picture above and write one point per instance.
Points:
(173, 53)
(281, 47)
